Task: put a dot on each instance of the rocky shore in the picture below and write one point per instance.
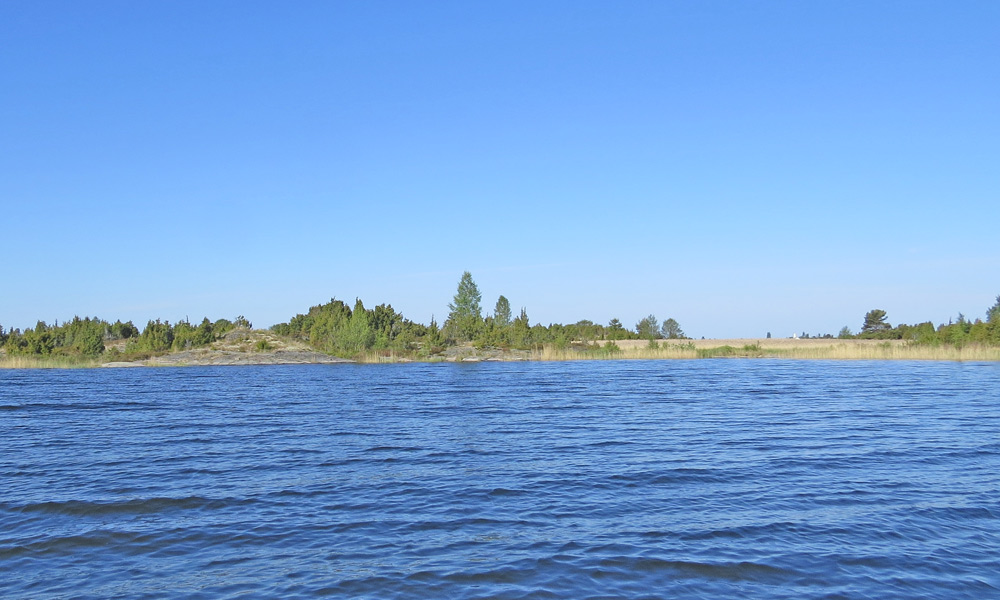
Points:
(240, 347)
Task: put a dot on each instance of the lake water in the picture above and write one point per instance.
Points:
(662, 479)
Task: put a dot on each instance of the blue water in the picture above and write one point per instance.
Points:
(669, 479)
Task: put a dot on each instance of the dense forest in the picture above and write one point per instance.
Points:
(339, 329)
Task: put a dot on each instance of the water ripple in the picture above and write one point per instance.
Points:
(683, 479)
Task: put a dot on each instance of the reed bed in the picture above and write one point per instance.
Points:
(671, 351)
(381, 356)
(48, 362)
(897, 352)
(809, 350)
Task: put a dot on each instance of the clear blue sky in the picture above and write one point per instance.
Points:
(742, 167)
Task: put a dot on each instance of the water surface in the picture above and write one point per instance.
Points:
(680, 479)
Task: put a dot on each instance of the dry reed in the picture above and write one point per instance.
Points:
(49, 362)
(810, 350)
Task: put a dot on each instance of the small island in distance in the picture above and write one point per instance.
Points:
(336, 332)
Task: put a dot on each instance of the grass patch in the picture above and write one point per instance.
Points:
(49, 362)
(726, 351)
(834, 350)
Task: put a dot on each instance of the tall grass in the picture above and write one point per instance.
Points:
(614, 352)
(886, 351)
(836, 350)
(48, 362)
(380, 356)
(807, 350)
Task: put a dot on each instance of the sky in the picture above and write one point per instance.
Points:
(741, 167)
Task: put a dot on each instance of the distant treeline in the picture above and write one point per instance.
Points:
(339, 329)
(956, 332)
(90, 337)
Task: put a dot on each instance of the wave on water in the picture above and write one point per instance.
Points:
(701, 479)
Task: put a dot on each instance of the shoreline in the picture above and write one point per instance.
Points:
(783, 348)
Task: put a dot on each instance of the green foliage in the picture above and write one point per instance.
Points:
(433, 341)
(993, 313)
(465, 317)
(608, 350)
(205, 333)
(845, 333)
(747, 351)
(875, 325)
(671, 330)
(89, 342)
(586, 331)
(501, 313)
(616, 331)
(492, 335)
(386, 326)
(337, 329)
(221, 327)
(78, 337)
(188, 336)
(358, 335)
(340, 329)
(123, 331)
(183, 336)
(521, 331)
(156, 337)
(648, 328)
(957, 332)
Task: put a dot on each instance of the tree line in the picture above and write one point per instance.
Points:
(466, 323)
(340, 329)
(957, 332)
(89, 337)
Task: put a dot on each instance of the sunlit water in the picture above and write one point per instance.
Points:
(669, 479)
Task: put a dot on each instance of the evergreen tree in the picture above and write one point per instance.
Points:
(359, 335)
(616, 331)
(465, 316)
(156, 337)
(90, 342)
(521, 330)
(204, 334)
(993, 314)
(432, 339)
(875, 325)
